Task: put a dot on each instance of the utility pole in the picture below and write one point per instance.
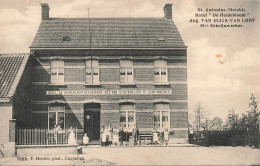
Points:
(89, 31)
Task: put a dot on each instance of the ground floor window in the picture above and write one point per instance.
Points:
(161, 116)
(56, 116)
(127, 116)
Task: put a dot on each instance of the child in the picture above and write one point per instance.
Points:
(85, 139)
(155, 137)
(115, 139)
(166, 136)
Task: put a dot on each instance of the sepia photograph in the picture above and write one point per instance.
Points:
(110, 82)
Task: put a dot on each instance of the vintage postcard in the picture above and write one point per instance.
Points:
(110, 82)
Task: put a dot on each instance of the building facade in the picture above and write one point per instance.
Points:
(91, 72)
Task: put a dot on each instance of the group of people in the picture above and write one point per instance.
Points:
(161, 137)
(59, 135)
(109, 137)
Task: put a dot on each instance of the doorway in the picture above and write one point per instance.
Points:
(92, 120)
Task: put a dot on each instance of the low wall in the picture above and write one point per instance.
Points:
(45, 150)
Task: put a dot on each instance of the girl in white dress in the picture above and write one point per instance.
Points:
(155, 137)
(115, 139)
(85, 139)
(71, 136)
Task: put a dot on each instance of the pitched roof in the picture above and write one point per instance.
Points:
(11, 70)
(107, 33)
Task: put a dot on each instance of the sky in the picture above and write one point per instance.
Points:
(223, 64)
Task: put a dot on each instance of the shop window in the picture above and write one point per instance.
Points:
(92, 72)
(56, 117)
(127, 116)
(161, 116)
(160, 71)
(57, 72)
(126, 71)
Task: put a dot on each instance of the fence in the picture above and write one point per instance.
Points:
(42, 137)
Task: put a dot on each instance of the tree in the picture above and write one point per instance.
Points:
(200, 116)
(253, 120)
(215, 124)
(253, 115)
(232, 121)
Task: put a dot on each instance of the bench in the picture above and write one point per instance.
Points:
(145, 137)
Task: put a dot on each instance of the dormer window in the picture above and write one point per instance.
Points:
(161, 38)
(66, 38)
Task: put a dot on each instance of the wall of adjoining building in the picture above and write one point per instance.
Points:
(7, 145)
(22, 98)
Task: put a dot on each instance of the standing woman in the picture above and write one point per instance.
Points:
(107, 136)
(110, 131)
(71, 136)
(103, 136)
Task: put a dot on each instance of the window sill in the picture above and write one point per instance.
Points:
(161, 83)
(57, 84)
(96, 84)
(126, 84)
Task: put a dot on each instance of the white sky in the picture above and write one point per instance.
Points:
(217, 86)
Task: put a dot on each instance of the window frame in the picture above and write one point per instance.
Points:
(161, 116)
(160, 70)
(57, 75)
(92, 69)
(56, 115)
(127, 117)
(126, 69)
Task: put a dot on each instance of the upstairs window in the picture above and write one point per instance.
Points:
(92, 72)
(57, 72)
(161, 116)
(56, 117)
(160, 71)
(127, 116)
(126, 71)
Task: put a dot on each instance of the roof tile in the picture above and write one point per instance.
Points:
(108, 33)
(11, 69)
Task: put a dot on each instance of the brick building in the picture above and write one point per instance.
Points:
(15, 95)
(93, 72)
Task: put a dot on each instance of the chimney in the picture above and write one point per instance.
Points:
(45, 11)
(168, 11)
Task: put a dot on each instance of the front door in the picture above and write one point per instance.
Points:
(92, 120)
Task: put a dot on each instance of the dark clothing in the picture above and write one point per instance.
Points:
(127, 135)
(135, 135)
(161, 137)
(121, 134)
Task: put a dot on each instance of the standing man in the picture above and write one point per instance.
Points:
(135, 134)
(121, 136)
